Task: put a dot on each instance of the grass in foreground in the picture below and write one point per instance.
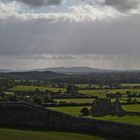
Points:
(14, 134)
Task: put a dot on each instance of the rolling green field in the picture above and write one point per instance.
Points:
(97, 92)
(138, 99)
(88, 100)
(33, 88)
(87, 85)
(69, 110)
(98, 86)
(130, 85)
(9, 93)
(126, 119)
(102, 92)
(133, 108)
(75, 100)
(14, 134)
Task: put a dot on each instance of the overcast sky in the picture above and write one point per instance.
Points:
(51, 33)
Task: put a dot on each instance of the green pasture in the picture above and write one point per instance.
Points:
(125, 119)
(138, 99)
(89, 100)
(122, 100)
(130, 85)
(75, 100)
(75, 111)
(87, 85)
(100, 93)
(33, 88)
(132, 108)
(9, 93)
(15, 134)
(19, 81)
(82, 85)
(103, 92)
(98, 86)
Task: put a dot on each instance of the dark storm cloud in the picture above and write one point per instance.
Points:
(37, 3)
(123, 5)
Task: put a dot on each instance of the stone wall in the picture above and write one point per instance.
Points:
(30, 116)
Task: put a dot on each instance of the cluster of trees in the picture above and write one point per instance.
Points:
(5, 84)
(35, 99)
(112, 79)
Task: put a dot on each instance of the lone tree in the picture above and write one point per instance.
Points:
(84, 111)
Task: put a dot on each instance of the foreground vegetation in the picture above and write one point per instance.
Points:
(14, 134)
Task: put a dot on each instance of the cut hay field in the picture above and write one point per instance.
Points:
(15, 134)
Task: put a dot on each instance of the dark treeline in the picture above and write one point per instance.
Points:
(33, 75)
(91, 78)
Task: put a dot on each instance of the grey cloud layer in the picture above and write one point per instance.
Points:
(118, 36)
(36, 3)
(31, 39)
(41, 2)
(123, 5)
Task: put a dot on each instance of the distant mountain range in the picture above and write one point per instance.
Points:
(68, 70)
(5, 70)
(74, 70)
